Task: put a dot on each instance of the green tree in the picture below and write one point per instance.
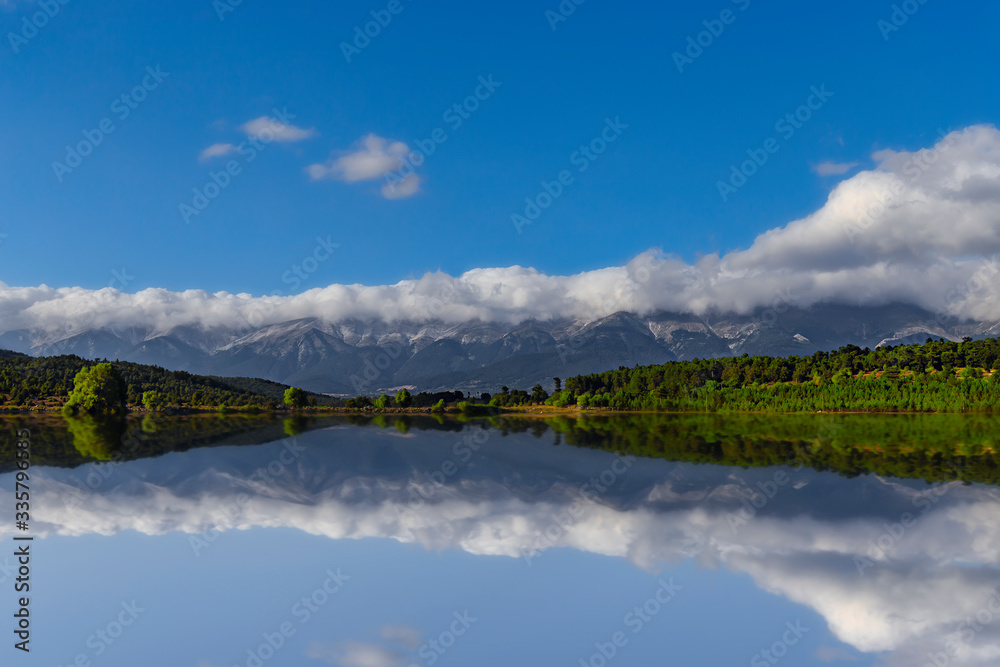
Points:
(382, 402)
(152, 400)
(97, 390)
(294, 426)
(296, 398)
(95, 437)
(403, 398)
(971, 373)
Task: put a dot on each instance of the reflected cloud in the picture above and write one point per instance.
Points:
(885, 583)
(354, 654)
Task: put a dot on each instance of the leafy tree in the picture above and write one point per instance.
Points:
(97, 390)
(152, 400)
(358, 403)
(403, 398)
(294, 426)
(296, 398)
(382, 402)
(970, 373)
(95, 437)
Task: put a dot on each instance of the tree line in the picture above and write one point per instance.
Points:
(936, 376)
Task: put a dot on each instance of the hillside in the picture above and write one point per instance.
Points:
(936, 376)
(48, 381)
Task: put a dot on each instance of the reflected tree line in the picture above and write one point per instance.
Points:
(934, 448)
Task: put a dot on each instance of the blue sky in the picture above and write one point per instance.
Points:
(655, 185)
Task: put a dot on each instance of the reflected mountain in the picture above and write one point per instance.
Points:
(894, 566)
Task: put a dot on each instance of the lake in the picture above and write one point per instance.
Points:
(216, 541)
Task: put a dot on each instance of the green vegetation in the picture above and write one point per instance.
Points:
(938, 376)
(98, 390)
(152, 401)
(403, 398)
(49, 381)
(296, 398)
(934, 448)
(906, 378)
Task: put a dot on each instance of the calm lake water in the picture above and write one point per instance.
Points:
(215, 542)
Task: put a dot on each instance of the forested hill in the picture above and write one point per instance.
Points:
(938, 376)
(49, 380)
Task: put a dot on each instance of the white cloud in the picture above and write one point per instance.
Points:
(408, 186)
(216, 150)
(405, 635)
(267, 128)
(354, 654)
(834, 168)
(370, 158)
(922, 228)
(908, 602)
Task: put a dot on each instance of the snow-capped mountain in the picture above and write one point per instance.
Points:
(352, 357)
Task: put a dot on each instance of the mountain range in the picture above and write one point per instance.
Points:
(353, 357)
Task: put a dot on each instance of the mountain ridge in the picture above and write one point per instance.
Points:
(354, 357)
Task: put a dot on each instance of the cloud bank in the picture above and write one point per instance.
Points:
(804, 547)
(921, 228)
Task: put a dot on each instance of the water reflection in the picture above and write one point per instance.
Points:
(895, 567)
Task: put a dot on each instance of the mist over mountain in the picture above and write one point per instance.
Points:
(357, 357)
